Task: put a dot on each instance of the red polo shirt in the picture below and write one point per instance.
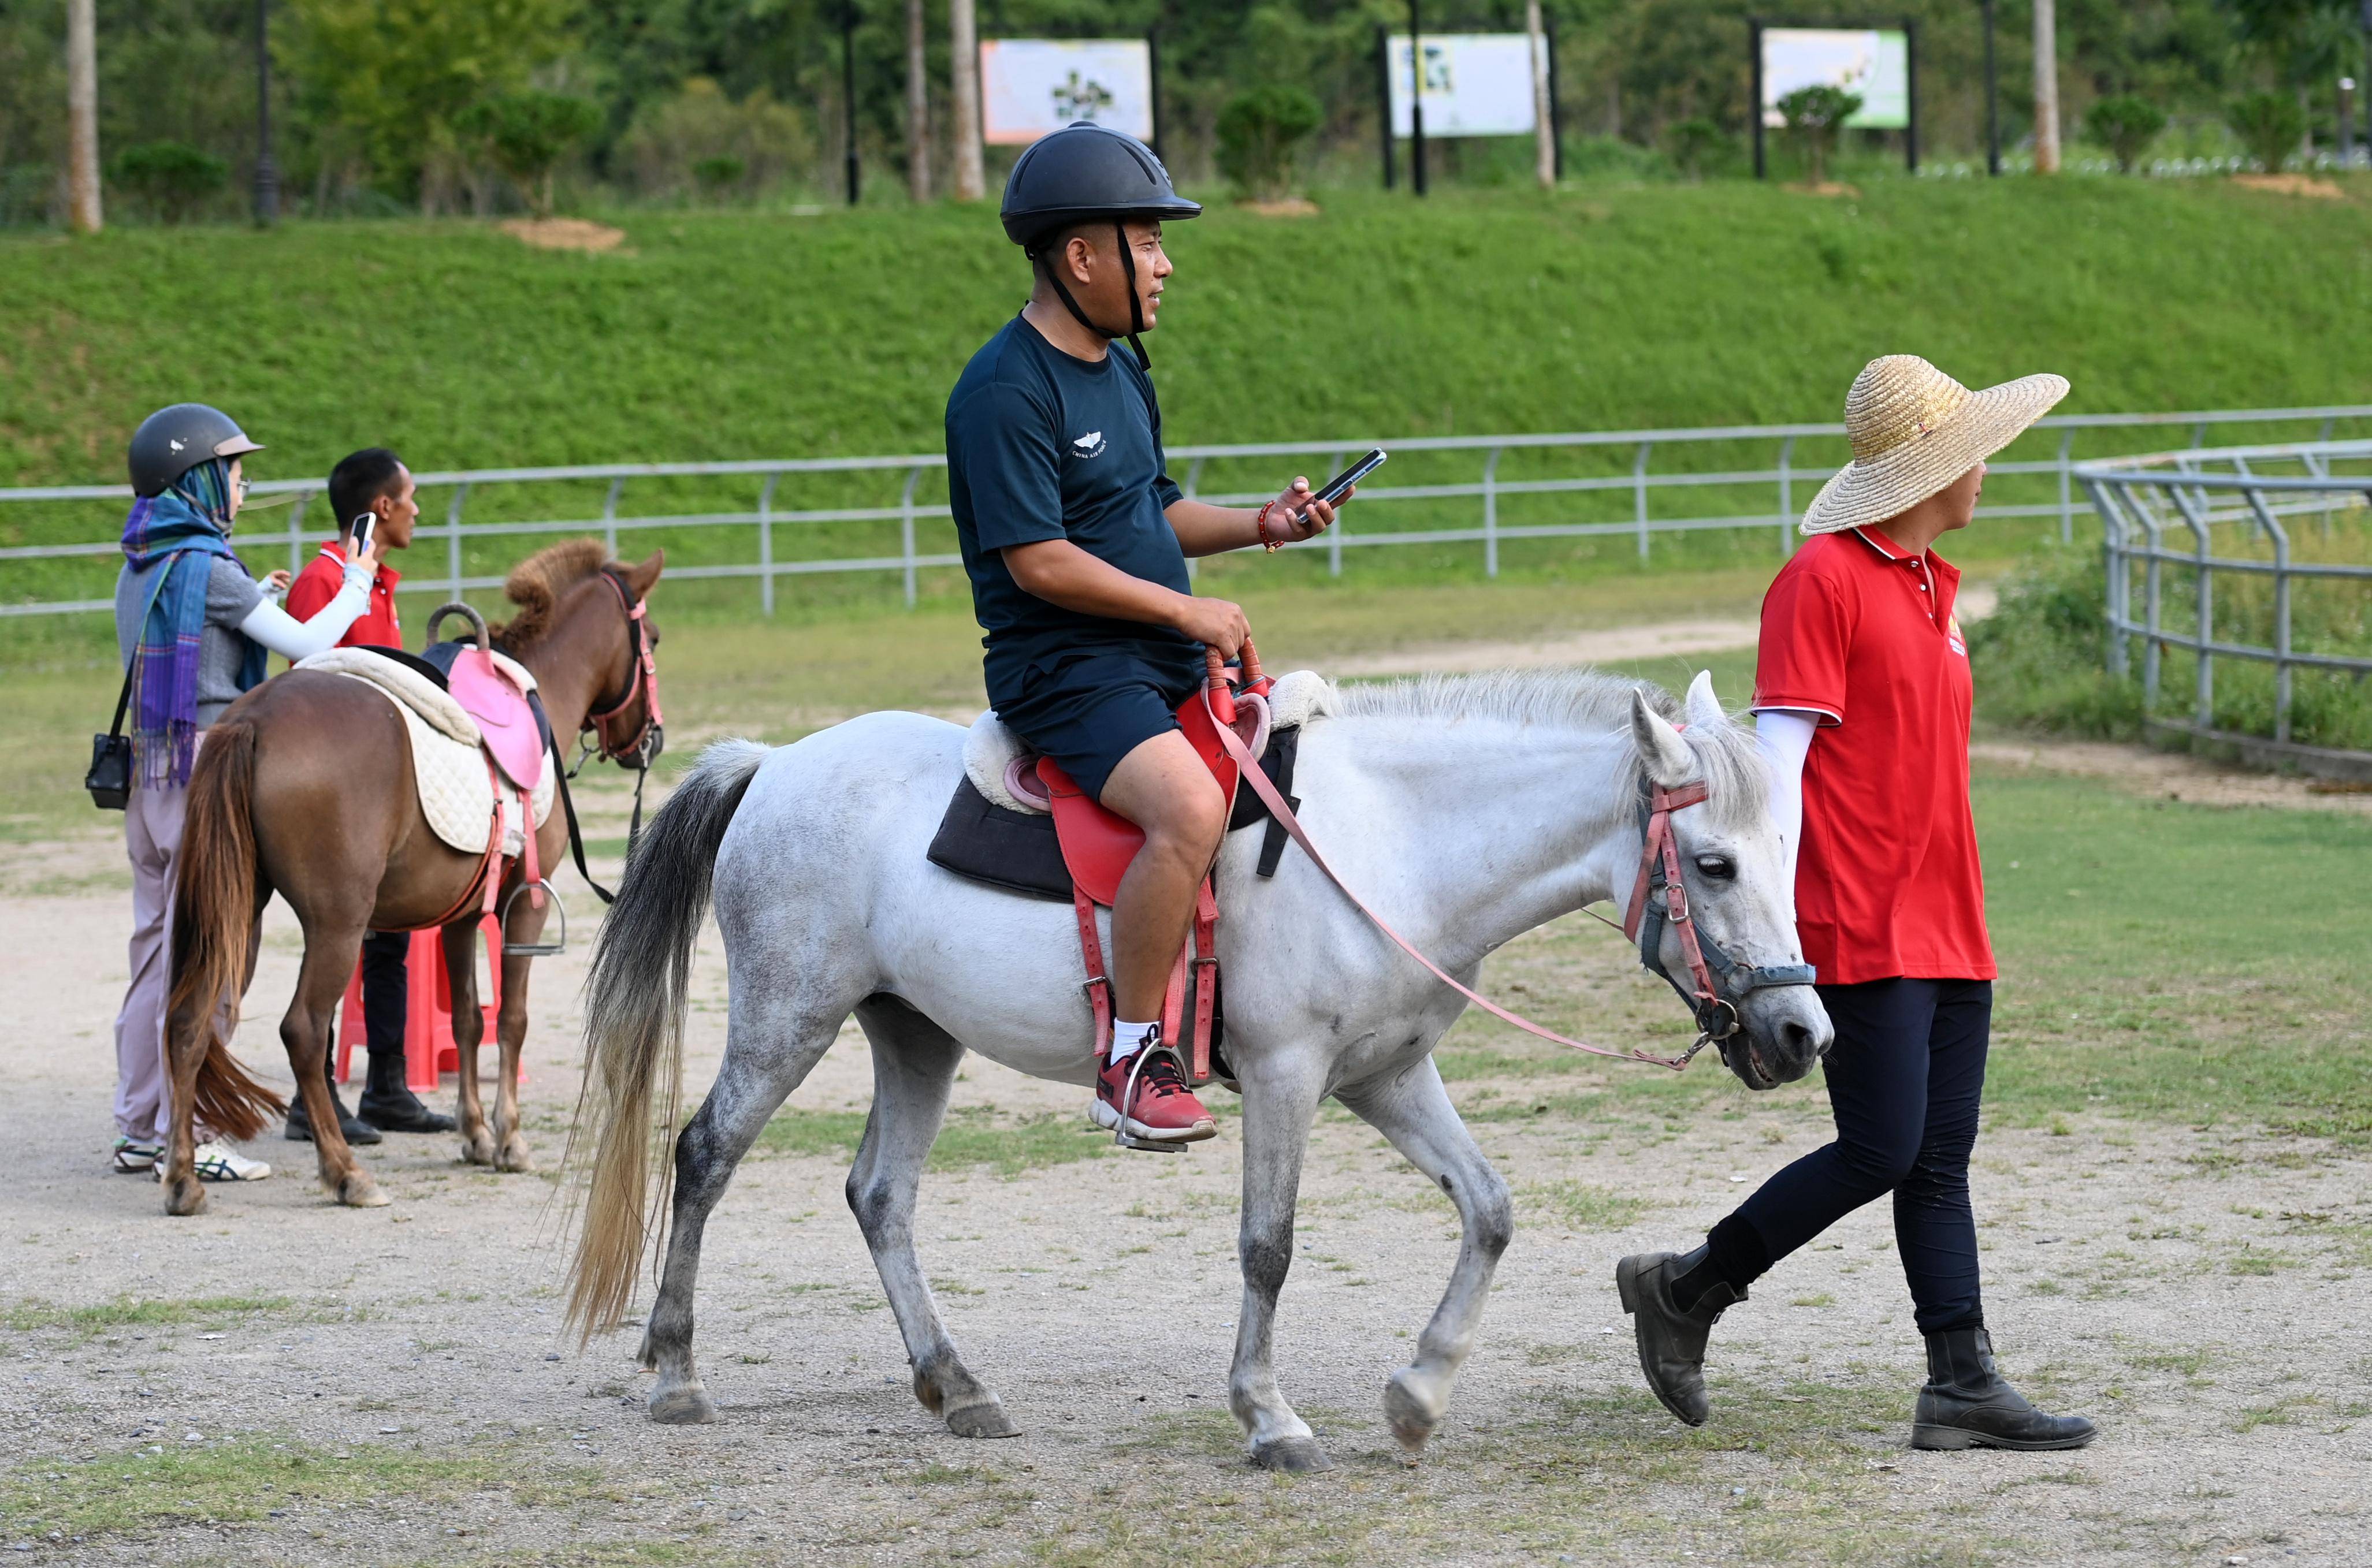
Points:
(318, 583)
(1887, 882)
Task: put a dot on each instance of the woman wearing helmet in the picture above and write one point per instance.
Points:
(192, 625)
(1075, 540)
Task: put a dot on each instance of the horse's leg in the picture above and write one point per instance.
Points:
(913, 1067)
(766, 1056)
(186, 1038)
(510, 1034)
(1413, 1110)
(468, 1028)
(331, 951)
(1280, 1099)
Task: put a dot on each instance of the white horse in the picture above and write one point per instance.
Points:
(1466, 811)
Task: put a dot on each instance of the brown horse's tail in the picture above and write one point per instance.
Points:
(214, 919)
(634, 1033)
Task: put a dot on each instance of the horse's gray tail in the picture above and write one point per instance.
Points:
(634, 1032)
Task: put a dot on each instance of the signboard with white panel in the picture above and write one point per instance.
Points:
(1476, 84)
(1872, 64)
(1033, 86)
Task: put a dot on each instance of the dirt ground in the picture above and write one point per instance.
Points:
(280, 1380)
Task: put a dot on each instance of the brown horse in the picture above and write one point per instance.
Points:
(305, 788)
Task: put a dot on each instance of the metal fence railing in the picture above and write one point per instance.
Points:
(770, 519)
(2228, 587)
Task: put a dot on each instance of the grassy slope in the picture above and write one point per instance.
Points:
(731, 335)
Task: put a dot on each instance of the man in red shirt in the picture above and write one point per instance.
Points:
(373, 483)
(1862, 698)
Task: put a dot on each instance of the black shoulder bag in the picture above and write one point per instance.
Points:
(110, 779)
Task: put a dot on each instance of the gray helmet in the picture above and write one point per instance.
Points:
(1083, 173)
(172, 441)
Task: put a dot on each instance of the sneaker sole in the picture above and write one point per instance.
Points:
(1954, 1439)
(1104, 1116)
(1626, 1285)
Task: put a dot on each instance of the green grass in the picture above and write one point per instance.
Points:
(2175, 960)
(742, 334)
(972, 1138)
(242, 1481)
(28, 1315)
(726, 334)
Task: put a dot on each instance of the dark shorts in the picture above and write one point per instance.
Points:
(1089, 713)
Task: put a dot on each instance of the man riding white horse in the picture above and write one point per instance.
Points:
(1076, 540)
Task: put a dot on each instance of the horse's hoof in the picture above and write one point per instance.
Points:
(185, 1196)
(515, 1156)
(1413, 1421)
(683, 1406)
(1292, 1456)
(359, 1191)
(478, 1148)
(986, 1418)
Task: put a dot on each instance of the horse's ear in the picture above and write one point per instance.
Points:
(1661, 749)
(1701, 708)
(641, 578)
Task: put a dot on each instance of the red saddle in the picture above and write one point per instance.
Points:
(1099, 845)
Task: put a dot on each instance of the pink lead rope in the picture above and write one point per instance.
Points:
(1250, 768)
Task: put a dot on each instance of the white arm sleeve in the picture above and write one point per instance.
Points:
(292, 639)
(1786, 736)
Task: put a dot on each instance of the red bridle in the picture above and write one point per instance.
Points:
(642, 679)
(1715, 1016)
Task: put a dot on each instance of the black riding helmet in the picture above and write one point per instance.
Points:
(1081, 173)
(172, 441)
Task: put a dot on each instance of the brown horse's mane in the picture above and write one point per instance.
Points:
(537, 583)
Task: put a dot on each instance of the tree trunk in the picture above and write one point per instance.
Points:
(963, 44)
(1543, 134)
(918, 105)
(2046, 86)
(82, 117)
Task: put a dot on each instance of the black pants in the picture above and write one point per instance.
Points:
(386, 989)
(1904, 1078)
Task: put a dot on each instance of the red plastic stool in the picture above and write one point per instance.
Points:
(429, 1048)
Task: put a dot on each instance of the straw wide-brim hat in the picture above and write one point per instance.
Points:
(1914, 430)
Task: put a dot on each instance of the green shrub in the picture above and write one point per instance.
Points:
(2125, 124)
(1261, 134)
(2040, 658)
(1692, 142)
(2272, 124)
(673, 140)
(1815, 117)
(526, 135)
(718, 174)
(170, 179)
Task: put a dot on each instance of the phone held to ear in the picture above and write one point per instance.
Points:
(365, 525)
(1334, 489)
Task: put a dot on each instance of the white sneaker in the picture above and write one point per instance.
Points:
(134, 1155)
(220, 1162)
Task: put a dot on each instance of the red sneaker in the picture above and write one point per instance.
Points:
(1164, 1110)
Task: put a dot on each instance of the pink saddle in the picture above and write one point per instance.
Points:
(505, 719)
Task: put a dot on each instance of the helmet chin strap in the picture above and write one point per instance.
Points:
(1135, 306)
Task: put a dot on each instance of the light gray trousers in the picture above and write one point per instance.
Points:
(152, 838)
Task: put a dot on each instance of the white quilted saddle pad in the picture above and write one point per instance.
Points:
(991, 750)
(449, 768)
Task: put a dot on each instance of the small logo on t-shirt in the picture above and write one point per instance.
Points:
(1952, 636)
(1091, 445)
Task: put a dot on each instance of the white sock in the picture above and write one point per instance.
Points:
(1130, 1039)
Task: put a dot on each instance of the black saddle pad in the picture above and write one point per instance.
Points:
(1018, 850)
(431, 670)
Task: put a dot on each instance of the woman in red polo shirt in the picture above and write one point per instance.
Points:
(1862, 696)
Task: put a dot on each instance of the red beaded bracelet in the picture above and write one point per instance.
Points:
(1260, 528)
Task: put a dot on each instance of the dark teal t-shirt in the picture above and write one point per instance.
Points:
(1042, 446)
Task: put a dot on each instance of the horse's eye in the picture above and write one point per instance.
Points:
(1717, 867)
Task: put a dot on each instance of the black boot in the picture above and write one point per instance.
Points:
(1672, 1341)
(388, 1101)
(1967, 1405)
(300, 1125)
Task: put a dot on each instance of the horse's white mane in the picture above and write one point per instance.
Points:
(1592, 701)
